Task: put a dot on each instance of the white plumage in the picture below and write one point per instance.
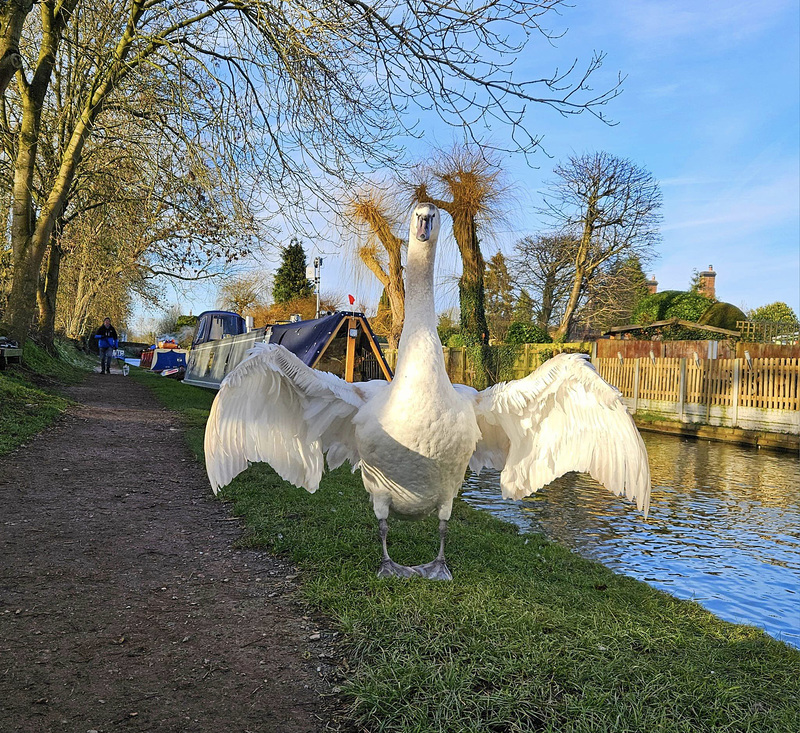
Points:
(413, 438)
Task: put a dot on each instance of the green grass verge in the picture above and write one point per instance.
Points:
(528, 637)
(29, 398)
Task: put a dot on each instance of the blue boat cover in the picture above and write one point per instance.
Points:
(306, 339)
(168, 359)
(214, 325)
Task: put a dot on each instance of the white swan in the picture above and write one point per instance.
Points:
(413, 438)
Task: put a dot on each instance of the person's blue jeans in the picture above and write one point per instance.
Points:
(105, 359)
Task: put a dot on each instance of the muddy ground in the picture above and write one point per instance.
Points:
(124, 605)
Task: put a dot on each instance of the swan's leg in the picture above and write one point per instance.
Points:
(437, 570)
(389, 568)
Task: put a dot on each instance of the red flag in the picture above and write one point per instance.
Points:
(352, 299)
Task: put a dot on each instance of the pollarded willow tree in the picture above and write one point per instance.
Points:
(278, 96)
(466, 183)
(375, 218)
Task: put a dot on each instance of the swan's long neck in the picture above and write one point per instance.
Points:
(419, 354)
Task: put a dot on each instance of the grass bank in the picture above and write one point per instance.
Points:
(29, 396)
(528, 637)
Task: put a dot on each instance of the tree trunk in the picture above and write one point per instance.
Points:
(572, 303)
(46, 297)
(546, 311)
(470, 286)
(581, 270)
(396, 292)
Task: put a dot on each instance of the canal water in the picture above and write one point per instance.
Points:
(723, 528)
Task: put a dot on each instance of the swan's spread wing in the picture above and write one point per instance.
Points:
(273, 408)
(561, 418)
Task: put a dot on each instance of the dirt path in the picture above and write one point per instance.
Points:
(123, 606)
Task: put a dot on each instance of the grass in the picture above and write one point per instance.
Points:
(29, 393)
(528, 637)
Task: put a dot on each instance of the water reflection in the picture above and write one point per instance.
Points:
(723, 530)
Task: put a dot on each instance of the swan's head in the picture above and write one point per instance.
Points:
(425, 223)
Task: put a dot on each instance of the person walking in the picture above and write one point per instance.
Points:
(107, 342)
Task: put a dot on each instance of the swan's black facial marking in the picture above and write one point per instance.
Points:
(424, 220)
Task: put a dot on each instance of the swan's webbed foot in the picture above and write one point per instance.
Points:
(390, 569)
(436, 570)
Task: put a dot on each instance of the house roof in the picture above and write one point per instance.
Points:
(671, 322)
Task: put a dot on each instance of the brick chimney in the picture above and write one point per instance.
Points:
(707, 286)
(652, 285)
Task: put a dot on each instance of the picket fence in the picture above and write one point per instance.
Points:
(753, 394)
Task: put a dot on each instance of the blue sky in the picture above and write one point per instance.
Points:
(710, 105)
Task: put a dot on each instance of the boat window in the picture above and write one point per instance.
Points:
(202, 328)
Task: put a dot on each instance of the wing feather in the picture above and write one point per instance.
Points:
(563, 417)
(272, 408)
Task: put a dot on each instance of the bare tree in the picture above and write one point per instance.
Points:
(610, 208)
(612, 295)
(341, 78)
(244, 293)
(544, 266)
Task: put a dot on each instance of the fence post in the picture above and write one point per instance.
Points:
(682, 390)
(737, 372)
(636, 371)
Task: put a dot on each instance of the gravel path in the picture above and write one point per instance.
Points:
(123, 605)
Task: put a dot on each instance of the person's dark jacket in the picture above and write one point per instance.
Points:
(107, 337)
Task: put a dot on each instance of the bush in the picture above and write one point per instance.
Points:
(722, 315)
(447, 327)
(520, 332)
(777, 312)
(671, 304)
(455, 341)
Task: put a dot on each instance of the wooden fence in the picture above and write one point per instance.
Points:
(754, 394)
(517, 363)
(758, 394)
(765, 383)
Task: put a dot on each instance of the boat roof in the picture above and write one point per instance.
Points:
(307, 339)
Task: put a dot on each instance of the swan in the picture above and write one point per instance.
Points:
(414, 437)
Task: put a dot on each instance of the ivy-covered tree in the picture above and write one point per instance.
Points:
(290, 279)
(467, 183)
